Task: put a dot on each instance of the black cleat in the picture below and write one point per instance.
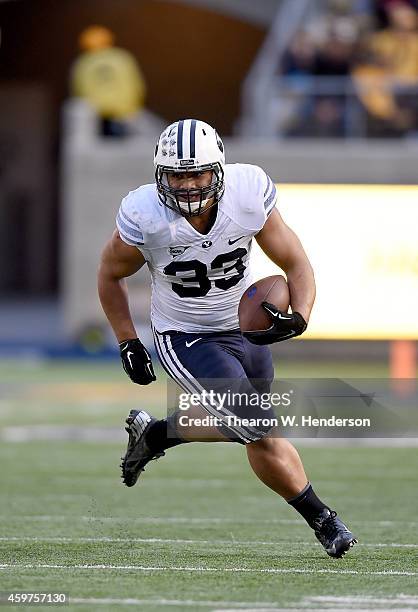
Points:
(334, 536)
(137, 454)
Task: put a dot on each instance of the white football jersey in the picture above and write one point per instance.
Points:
(198, 279)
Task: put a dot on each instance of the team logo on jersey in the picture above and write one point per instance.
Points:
(177, 250)
(206, 244)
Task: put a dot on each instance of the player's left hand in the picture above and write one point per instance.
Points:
(284, 326)
(137, 362)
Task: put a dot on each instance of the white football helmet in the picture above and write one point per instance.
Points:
(189, 145)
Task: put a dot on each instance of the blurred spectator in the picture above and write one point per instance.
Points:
(109, 79)
(325, 119)
(380, 11)
(336, 35)
(334, 57)
(326, 50)
(300, 57)
(387, 77)
(344, 20)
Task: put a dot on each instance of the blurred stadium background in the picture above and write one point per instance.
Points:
(323, 94)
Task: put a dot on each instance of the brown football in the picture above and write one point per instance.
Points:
(251, 314)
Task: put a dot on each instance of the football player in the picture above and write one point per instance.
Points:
(193, 228)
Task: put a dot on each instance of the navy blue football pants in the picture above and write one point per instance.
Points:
(222, 362)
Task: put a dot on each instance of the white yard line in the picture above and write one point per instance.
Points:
(161, 520)
(106, 539)
(91, 433)
(259, 606)
(247, 570)
(410, 600)
(341, 602)
(153, 520)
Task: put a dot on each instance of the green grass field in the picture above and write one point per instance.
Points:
(199, 532)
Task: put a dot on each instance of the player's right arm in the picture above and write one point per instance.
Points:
(118, 261)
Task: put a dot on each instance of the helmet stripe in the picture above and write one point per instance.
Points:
(193, 139)
(180, 140)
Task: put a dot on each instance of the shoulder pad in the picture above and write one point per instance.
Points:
(250, 195)
(139, 215)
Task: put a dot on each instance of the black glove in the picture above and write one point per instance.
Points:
(137, 362)
(284, 326)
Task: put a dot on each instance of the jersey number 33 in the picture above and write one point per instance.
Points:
(200, 284)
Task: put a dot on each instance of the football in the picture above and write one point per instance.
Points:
(251, 314)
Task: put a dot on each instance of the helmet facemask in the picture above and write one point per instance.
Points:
(190, 202)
